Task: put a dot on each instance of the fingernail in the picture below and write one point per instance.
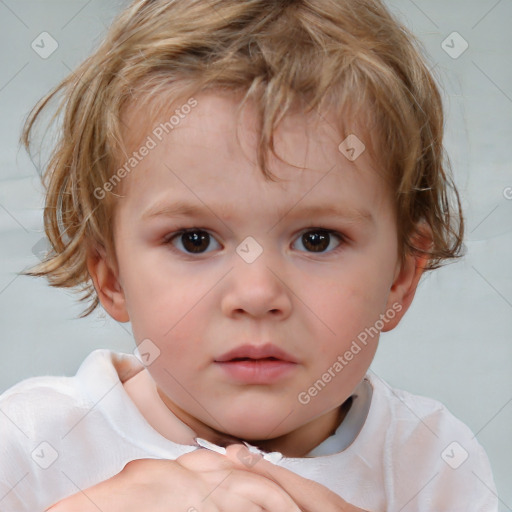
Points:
(270, 456)
(210, 446)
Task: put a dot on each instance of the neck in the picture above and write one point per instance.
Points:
(297, 443)
(301, 441)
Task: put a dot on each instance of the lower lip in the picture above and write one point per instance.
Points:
(257, 371)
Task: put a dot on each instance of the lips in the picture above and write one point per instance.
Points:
(269, 352)
(256, 365)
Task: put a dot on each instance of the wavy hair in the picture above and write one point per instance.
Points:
(344, 56)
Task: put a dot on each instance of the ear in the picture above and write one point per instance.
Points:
(106, 283)
(407, 277)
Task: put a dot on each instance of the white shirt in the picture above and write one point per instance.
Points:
(394, 451)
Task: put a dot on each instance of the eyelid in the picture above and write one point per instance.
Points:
(321, 228)
(181, 231)
(167, 239)
(342, 237)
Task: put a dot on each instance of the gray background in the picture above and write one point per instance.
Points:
(455, 342)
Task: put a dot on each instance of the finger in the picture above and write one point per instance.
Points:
(254, 490)
(307, 494)
(203, 459)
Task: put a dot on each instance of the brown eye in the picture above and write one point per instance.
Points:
(318, 240)
(194, 241)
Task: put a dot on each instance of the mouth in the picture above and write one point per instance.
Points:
(267, 352)
(251, 359)
(266, 369)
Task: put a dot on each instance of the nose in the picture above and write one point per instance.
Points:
(257, 289)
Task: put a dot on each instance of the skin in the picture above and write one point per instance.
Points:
(211, 482)
(195, 307)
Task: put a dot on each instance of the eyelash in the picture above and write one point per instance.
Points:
(343, 240)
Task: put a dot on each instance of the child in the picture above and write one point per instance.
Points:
(256, 282)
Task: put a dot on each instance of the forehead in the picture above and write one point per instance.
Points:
(206, 151)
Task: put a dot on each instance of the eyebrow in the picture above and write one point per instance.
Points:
(184, 209)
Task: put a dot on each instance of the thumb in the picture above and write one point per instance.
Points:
(306, 493)
(254, 462)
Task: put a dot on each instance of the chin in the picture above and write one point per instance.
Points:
(256, 426)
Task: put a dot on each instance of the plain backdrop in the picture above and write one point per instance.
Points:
(455, 342)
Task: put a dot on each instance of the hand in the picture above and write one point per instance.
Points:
(199, 481)
(309, 495)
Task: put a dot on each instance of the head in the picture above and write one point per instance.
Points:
(247, 111)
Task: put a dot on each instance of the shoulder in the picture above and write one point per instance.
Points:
(432, 460)
(51, 385)
(409, 412)
(36, 402)
(41, 419)
(32, 400)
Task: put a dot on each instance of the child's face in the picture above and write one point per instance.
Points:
(313, 305)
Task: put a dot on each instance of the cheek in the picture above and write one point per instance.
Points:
(169, 319)
(349, 312)
(159, 298)
(172, 313)
(354, 299)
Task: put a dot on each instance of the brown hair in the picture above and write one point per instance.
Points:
(342, 55)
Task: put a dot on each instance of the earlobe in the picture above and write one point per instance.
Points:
(106, 283)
